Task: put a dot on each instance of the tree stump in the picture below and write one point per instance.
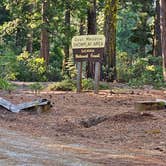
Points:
(149, 105)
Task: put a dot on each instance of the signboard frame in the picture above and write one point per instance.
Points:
(88, 48)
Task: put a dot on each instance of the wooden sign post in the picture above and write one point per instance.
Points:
(97, 77)
(79, 76)
(88, 48)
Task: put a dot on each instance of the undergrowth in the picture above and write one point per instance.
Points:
(6, 85)
(70, 85)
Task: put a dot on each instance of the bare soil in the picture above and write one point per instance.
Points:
(106, 127)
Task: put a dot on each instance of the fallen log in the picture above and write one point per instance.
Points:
(38, 105)
(150, 105)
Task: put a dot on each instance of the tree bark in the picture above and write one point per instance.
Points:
(67, 36)
(92, 17)
(163, 34)
(92, 30)
(110, 34)
(157, 31)
(44, 45)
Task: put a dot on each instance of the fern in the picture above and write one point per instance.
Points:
(71, 68)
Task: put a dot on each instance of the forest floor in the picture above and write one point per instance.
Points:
(103, 129)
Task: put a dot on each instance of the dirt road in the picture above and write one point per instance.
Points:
(61, 136)
(19, 149)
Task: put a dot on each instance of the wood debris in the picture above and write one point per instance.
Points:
(150, 105)
(40, 104)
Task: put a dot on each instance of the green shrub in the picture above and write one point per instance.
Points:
(104, 86)
(65, 85)
(71, 68)
(145, 71)
(5, 85)
(53, 73)
(123, 67)
(87, 84)
(31, 68)
(70, 85)
(8, 66)
(141, 71)
(36, 87)
(54, 69)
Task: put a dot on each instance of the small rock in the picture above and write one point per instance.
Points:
(159, 149)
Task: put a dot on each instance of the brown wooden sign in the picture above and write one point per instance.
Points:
(88, 47)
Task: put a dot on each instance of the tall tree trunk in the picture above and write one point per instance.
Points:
(92, 29)
(110, 34)
(44, 45)
(91, 21)
(163, 34)
(67, 36)
(157, 31)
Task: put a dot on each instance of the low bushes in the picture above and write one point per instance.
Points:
(70, 85)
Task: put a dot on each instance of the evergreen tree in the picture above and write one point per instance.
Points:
(92, 30)
(110, 34)
(163, 34)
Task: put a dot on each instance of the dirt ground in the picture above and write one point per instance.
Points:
(122, 136)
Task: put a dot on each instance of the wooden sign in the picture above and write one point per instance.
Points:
(88, 47)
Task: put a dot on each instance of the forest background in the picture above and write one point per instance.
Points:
(35, 39)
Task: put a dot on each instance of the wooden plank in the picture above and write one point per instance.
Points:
(79, 76)
(97, 77)
(41, 104)
(9, 106)
(31, 104)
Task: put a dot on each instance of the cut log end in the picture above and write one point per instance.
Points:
(149, 105)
